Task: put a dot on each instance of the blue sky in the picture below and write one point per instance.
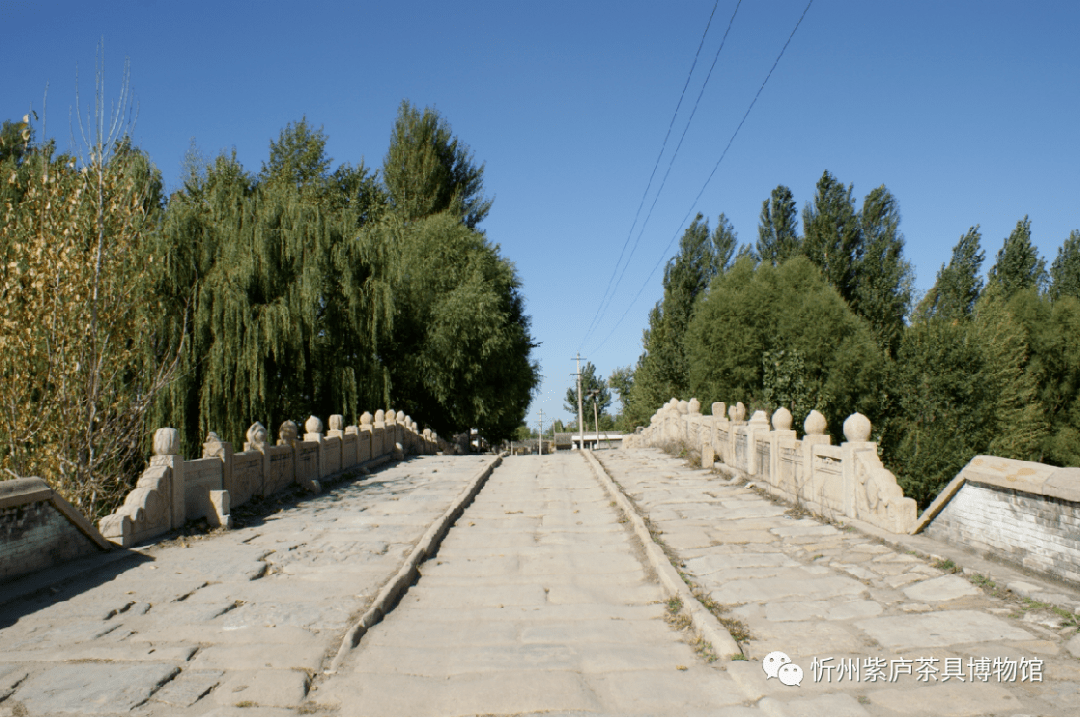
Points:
(966, 111)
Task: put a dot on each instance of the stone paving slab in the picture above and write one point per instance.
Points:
(846, 593)
(522, 616)
(232, 622)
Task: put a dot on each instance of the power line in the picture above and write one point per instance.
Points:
(671, 164)
(707, 181)
(653, 174)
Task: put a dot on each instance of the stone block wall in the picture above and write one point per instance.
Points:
(1022, 511)
(38, 529)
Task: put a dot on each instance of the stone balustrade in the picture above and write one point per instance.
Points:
(173, 490)
(846, 480)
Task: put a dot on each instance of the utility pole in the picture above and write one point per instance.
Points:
(541, 432)
(596, 420)
(580, 409)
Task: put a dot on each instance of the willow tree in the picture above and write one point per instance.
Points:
(289, 301)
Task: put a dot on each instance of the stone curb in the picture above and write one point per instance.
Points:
(398, 586)
(701, 619)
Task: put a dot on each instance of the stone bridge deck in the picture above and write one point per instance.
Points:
(539, 599)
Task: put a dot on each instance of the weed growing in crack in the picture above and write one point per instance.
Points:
(738, 630)
(1069, 619)
(947, 566)
(705, 649)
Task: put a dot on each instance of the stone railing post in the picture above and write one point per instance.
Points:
(736, 417)
(258, 442)
(337, 431)
(814, 429)
(217, 514)
(857, 432)
(313, 431)
(365, 451)
(378, 434)
(391, 442)
(758, 425)
(782, 433)
(167, 454)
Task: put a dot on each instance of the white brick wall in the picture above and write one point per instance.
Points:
(1039, 532)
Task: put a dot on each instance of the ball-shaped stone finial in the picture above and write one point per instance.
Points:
(694, 406)
(733, 413)
(167, 442)
(684, 407)
(719, 409)
(313, 425)
(815, 423)
(857, 428)
(401, 417)
(337, 422)
(365, 419)
(288, 432)
(380, 416)
(741, 411)
(781, 419)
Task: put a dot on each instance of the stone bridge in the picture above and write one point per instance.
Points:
(617, 582)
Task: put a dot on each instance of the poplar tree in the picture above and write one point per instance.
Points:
(724, 242)
(1065, 271)
(958, 285)
(662, 369)
(883, 277)
(833, 235)
(428, 170)
(1018, 264)
(778, 231)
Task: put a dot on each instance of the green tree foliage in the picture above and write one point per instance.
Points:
(662, 371)
(833, 235)
(458, 355)
(964, 388)
(817, 352)
(286, 284)
(724, 242)
(427, 170)
(622, 380)
(883, 277)
(778, 231)
(590, 382)
(315, 292)
(959, 284)
(1065, 271)
(1018, 264)
(1051, 364)
(943, 412)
